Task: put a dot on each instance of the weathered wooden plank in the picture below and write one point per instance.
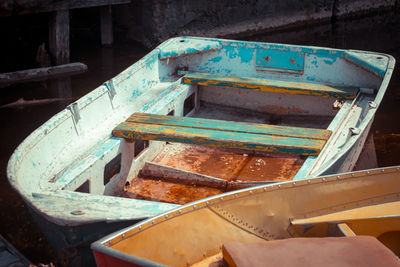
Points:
(59, 37)
(12, 7)
(106, 25)
(39, 74)
(268, 85)
(140, 131)
(240, 127)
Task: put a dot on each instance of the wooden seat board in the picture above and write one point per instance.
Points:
(268, 85)
(240, 127)
(142, 131)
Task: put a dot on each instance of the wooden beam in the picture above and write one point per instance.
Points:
(59, 48)
(106, 25)
(269, 85)
(21, 7)
(240, 127)
(210, 135)
(39, 74)
(59, 36)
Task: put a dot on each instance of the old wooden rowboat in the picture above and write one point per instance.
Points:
(235, 225)
(193, 118)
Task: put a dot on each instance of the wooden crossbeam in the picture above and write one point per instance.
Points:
(247, 136)
(268, 85)
(240, 127)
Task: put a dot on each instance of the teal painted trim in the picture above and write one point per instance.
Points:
(240, 127)
(375, 63)
(277, 86)
(138, 131)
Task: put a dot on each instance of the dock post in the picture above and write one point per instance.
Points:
(106, 25)
(59, 48)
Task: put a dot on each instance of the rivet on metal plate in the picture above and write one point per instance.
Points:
(265, 189)
(251, 192)
(294, 183)
(180, 212)
(140, 227)
(308, 181)
(279, 186)
(323, 179)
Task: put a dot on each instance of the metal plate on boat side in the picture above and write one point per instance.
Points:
(280, 60)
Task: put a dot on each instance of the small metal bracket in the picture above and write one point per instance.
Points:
(338, 104)
(372, 105)
(75, 111)
(354, 131)
(111, 89)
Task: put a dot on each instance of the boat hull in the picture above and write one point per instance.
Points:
(72, 171)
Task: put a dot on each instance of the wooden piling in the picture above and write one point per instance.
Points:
(106, 25)
(59, 48)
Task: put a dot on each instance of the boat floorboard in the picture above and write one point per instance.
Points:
(230, 165)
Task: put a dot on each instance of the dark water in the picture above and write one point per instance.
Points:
(380, 33)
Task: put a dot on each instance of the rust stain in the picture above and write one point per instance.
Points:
(292, 60)
(154, 190)
(237, 166)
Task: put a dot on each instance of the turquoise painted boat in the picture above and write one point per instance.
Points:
(194, 118)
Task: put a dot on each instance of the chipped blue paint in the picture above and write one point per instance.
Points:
(231, 51)
(215, 59)
(246, 55)
(329, 61)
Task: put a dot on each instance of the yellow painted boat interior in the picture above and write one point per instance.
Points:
(358, 203)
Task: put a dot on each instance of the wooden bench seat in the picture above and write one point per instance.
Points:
(240, 135)
(268, 85)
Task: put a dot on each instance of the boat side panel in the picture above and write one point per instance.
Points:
(268, 85)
